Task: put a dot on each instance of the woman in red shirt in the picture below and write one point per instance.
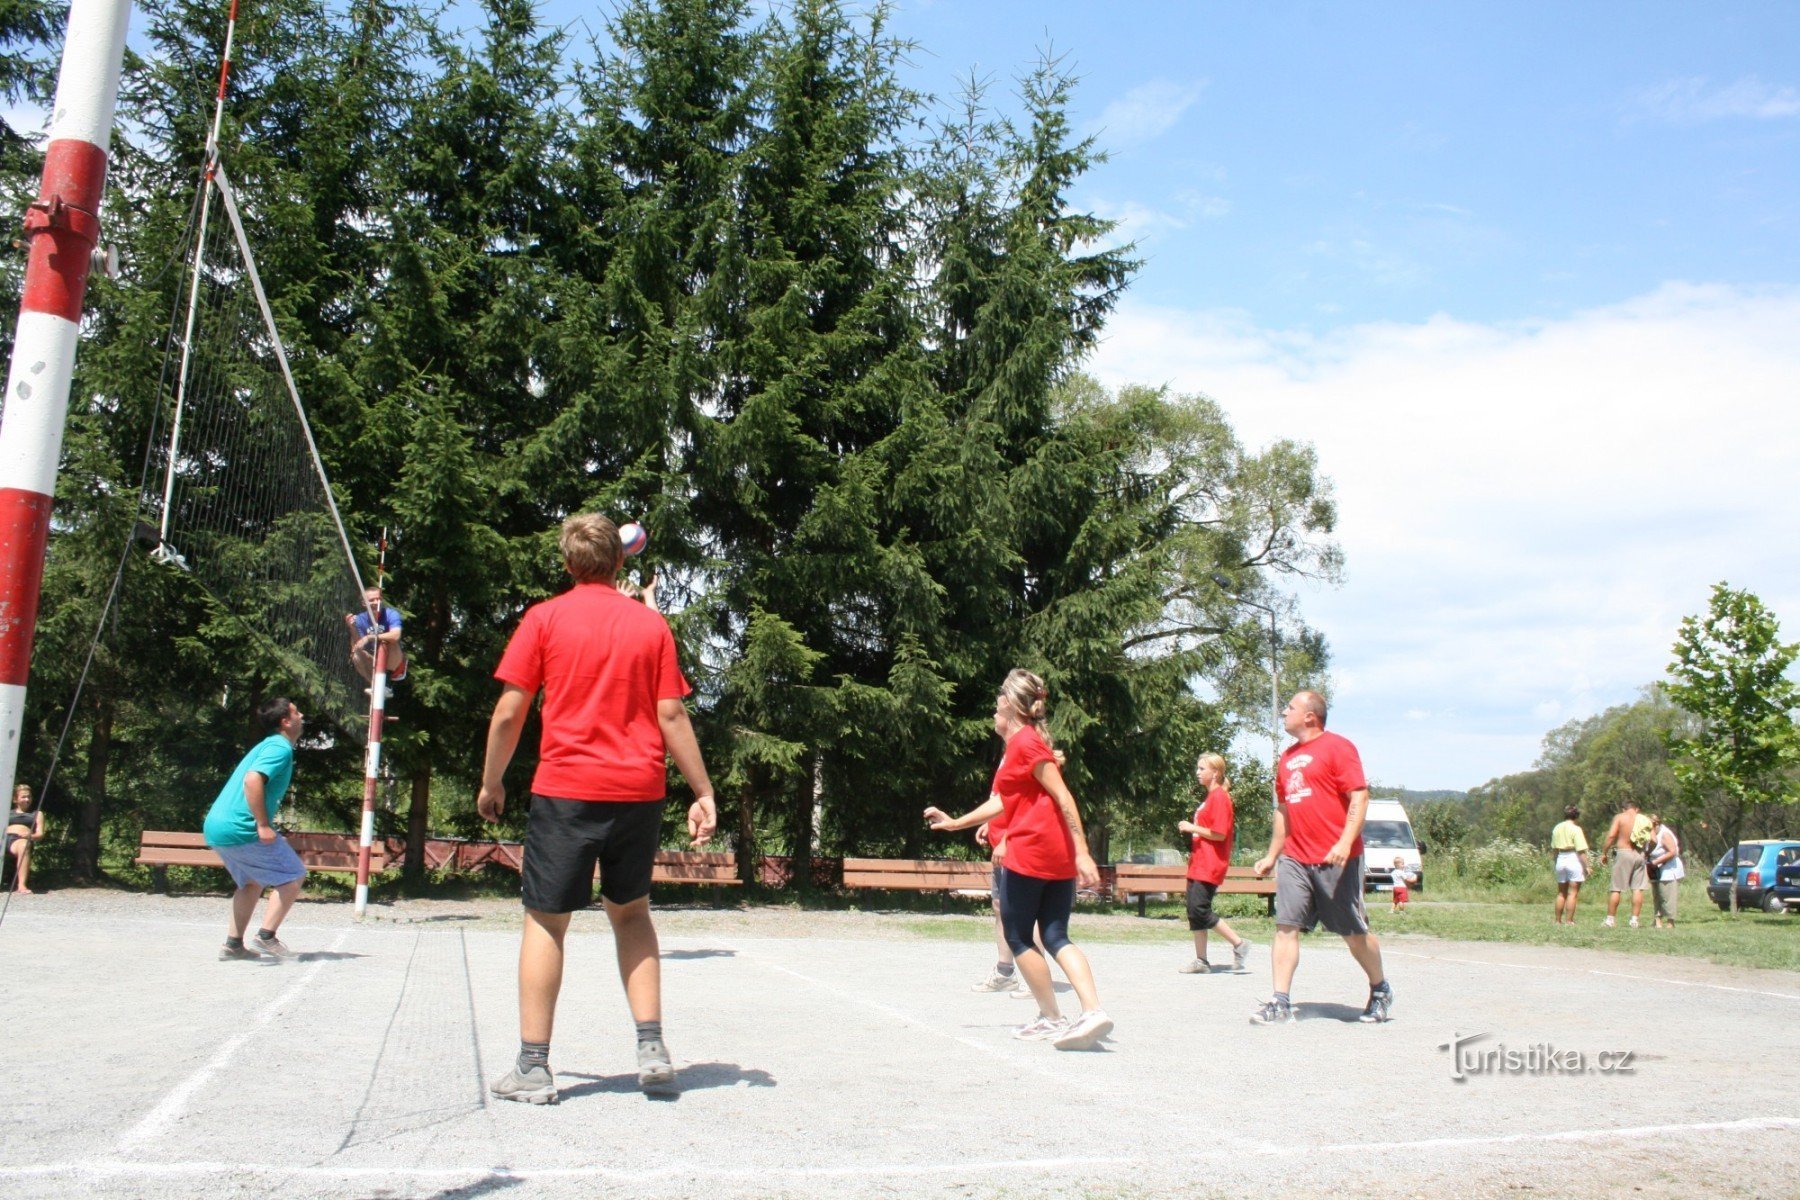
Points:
(1046, 853)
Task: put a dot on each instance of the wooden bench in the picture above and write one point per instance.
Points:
(319, 851)
(1146, 879)
(695, 866)
(954, 876)
(338, 852)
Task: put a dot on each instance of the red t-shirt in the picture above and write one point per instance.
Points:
(1314, 781)
(1038, 842)
(997, 835)
(603, 661)
(1207, 860)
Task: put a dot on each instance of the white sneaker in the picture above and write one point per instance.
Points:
(1086, 1031)
(996, 982)
(1607, 924)
(1041, 1030)
(1634, 924)
(1240, 954)
(1023, 991)
(1196, 967)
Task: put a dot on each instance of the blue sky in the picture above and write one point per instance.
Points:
(1527, 276)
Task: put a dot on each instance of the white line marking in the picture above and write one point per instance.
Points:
(124, 1169)
(896, 1014)
(172, 1105)
(1477, 962)
(1750, 1125)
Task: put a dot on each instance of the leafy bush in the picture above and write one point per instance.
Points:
(1503, 861)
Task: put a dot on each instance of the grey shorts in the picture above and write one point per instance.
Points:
(269, 864)
(1628, 871)
(1312, 894)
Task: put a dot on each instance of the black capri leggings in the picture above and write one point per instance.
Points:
(1027, 902)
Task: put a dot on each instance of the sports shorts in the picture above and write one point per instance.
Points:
(1200, 912)
(566, 839)
(268, 864)
(1308, 895)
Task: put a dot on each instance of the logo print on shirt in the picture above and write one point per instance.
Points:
(1296, 789)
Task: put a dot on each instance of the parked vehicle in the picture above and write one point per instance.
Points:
(1386, 833)
(1787, 886)
(1760, 867)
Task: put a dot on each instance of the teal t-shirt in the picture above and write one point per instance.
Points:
(228, 822)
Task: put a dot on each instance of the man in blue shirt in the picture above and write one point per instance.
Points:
(376, 622)
(240, 828)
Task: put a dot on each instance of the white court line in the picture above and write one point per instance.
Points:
(171, 1106)
(903, 1017)
(117, 1168)
(1562, 970)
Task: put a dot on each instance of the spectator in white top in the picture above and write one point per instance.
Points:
(1662, 858)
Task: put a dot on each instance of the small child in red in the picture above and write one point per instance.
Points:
(1401, 878)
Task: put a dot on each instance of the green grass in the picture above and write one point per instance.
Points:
(1750, 939)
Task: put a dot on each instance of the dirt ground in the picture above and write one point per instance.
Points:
(843, 1054)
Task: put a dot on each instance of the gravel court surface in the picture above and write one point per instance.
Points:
(838, 1054)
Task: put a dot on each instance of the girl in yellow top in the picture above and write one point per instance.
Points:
(1569, 846)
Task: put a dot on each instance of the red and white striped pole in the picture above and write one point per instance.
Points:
(63, 227)
(372, 760)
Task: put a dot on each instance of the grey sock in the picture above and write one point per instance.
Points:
(533, 1054)
(265, 935)
(234, 943)
(649, 1031)
(1003, 969)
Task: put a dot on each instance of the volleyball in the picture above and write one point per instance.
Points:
(633, 537)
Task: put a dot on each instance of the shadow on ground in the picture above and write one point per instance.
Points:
(686, 954)
(696, 1077)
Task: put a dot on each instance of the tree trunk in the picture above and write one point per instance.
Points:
(93, 802)
(806, 799)
(746, 831)
(418, 821)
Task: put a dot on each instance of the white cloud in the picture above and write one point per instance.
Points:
(1693, 101)
(1527, 510)
(1135, 222)
(1146, 112)
(1202, 205)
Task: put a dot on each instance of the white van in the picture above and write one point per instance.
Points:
(1388, 834)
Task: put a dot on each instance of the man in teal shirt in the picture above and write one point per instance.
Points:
(240, 829)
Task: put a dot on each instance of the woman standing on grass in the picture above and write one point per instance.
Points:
(1662, 859)
(1569, 848)
(1046, 853)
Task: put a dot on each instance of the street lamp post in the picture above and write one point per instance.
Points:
(1225, 585)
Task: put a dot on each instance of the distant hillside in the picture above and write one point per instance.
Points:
(1409, 796)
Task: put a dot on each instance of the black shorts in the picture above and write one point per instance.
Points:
(1199, 905)
(564, 839)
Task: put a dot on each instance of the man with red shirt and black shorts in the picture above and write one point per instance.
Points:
(612, 711)
(1316, 852)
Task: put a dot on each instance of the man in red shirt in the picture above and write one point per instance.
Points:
(1315, 849)
(612, 714)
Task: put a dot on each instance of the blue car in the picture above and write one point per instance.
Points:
(1768, 876)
